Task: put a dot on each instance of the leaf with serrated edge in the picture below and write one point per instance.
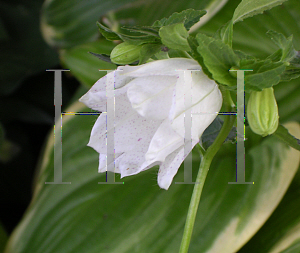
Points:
(175, 36)
(286, 45)
(187, 17)
(267, 76)
(249, 8)
(218, 57)
(194, 52)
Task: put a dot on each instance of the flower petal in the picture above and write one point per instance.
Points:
(148, 125)
(96, 97)
(163, 143)
(132, 132)
(206, 103)
(102, 164)
(161, 67)
(152, 96)
(131, 163)
(170, 166)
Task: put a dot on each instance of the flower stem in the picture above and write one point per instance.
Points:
(283, 134)
(203, 170)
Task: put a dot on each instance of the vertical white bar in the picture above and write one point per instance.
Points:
(57, 128)
(186, 79)
(240, 144)
(110, 116)
(110, 128)
(240, 151)
(188, 126)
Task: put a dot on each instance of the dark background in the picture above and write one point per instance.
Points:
(26, 103)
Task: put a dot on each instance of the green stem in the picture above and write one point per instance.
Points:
(203, 170)
(283, 134)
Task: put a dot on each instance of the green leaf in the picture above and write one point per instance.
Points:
(175, 37)
(87, 207)
(107, 33)
(139, 217)
(246, 204)
(85, 66)
(134, 40)
(249, 8)
(143, 29)
(287, 54)
(281, 231)
(139, 40)
(287, 95)
(71, 22)
(187, 17)
(285, 44)
(218, 57)
(103, 57)
(3, 238)
(161, 55)
(245, 59)
(293, 248)
(147, 12)
(265, 74)
(225, 33)
(194, 53)
(290, 73)
(147, 51)
(276, 56)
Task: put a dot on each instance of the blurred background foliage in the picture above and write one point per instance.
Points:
(36, 35)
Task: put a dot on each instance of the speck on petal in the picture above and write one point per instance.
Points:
(125, 135)
(131, 163)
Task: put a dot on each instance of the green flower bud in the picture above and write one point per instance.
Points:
(262, 112)
(125, 53)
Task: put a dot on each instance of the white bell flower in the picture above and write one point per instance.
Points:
(150, 108)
